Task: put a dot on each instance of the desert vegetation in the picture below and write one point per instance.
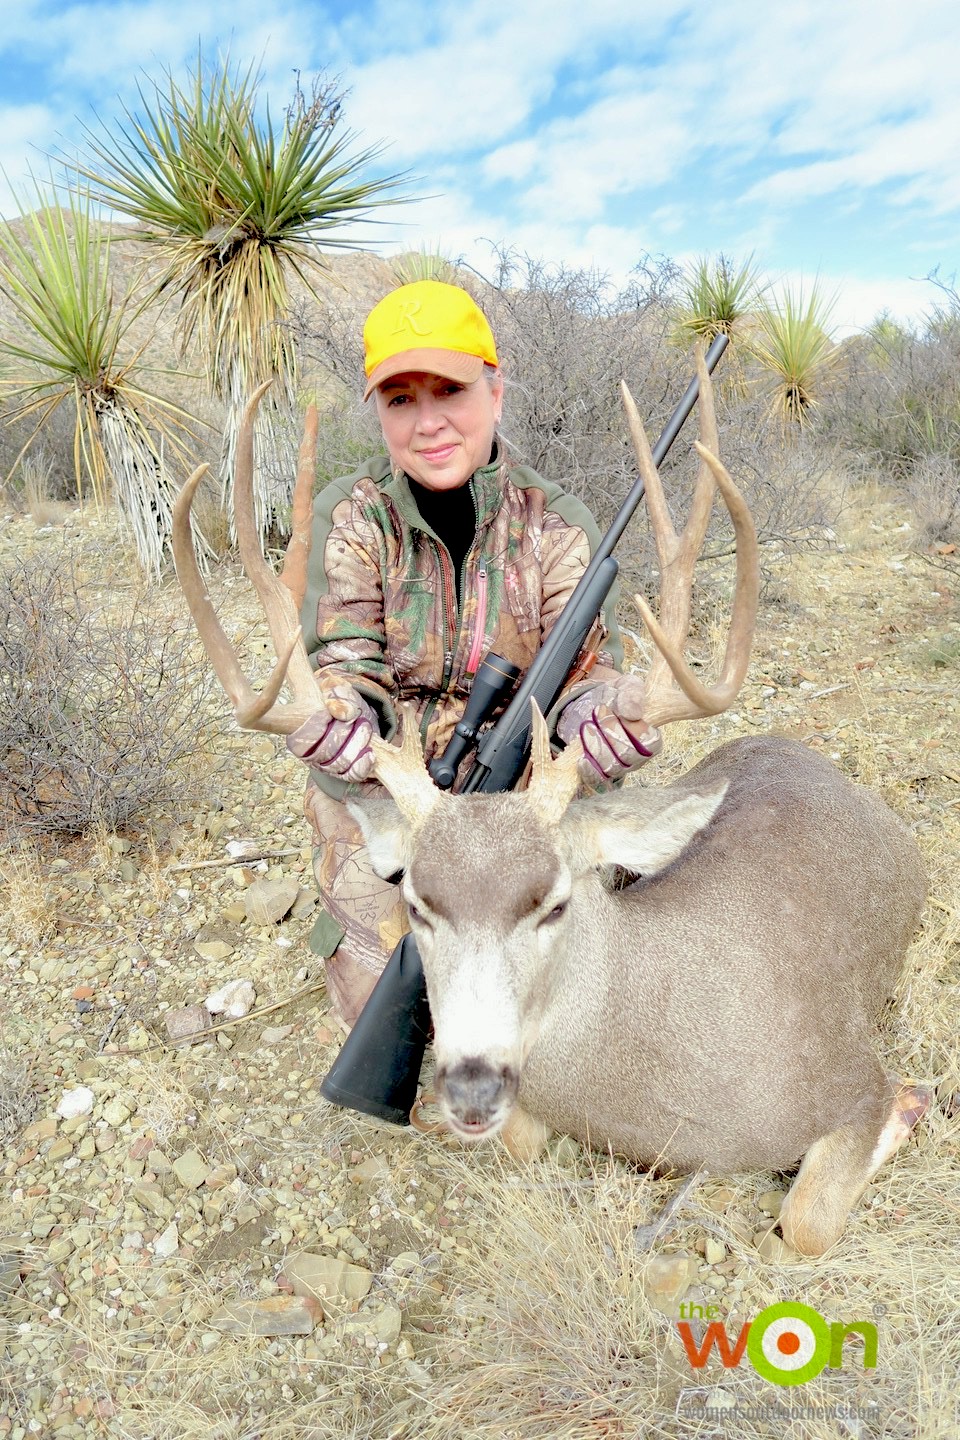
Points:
(164, 1205)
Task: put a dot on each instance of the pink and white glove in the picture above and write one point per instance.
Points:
(336, 738)
(609, 721)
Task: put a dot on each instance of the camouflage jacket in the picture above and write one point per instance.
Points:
(381, 602)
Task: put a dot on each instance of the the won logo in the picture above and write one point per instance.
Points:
(787, 1344)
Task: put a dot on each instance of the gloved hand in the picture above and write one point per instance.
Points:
(336, 738)
(609, 720)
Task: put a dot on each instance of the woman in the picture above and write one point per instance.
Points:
(421, 562)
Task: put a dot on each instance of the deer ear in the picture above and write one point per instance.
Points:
(386, 833)
(643, 831)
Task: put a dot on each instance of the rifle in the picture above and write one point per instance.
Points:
(378, 1067)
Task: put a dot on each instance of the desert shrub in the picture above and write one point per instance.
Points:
(932, 487)
(18, 1097)
(97, 710)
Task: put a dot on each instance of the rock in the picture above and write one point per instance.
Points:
(336, 1283)
(773, 1247)
(213, 949)
(714, 1251)
(191, 1169)
(667, 1278)
(186, 1025)
(9, 1273)
(267, 901)
(770, 1202)
(374, 1167)
(151, 1198)
(275, 1315)
(220, 1176)
(304, 904)
(274, 1034)
(234, 999)
(167, 1243)
(78, 1101)
(381, 1325)
(40, 1130)
(115, 1112)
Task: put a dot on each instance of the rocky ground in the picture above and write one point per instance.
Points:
(192, 1243)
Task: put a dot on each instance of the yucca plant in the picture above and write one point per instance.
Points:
(714, 295)
(796, 352)
(236, 206)
(423, 264)
(71, 345)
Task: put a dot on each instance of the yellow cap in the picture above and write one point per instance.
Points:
(427, 326)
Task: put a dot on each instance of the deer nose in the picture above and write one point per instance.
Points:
(474, 1091)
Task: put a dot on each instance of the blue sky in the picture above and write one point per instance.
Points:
(822, 136)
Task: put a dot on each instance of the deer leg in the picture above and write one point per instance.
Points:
(838, 1168)
(524, 1136)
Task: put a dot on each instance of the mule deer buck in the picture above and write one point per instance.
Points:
(716, 1011)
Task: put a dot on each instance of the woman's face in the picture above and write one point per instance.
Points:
(439, 431)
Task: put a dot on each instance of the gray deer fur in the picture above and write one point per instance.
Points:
(719, 1012)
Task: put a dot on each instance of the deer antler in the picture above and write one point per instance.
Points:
(673, 691)
(280, 595)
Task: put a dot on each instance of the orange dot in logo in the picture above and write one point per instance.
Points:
(788, 1343)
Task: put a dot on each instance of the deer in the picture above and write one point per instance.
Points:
(688, 975)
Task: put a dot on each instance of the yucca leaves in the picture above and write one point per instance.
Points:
(236, 206)
(715, 294)
(793, 346)
(71, 344)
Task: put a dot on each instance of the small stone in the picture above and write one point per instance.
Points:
(116, 1113)
(770, 1202)
(78, 1101)
(191, 1169)
(235, 913)
(186, 1025)
(274, 1315)
(382, 1324)
(151, 1198)
(267, 901)
(234, 999)
(274, 1034)
(775, 1249)
(714, 1251)
(40, 1130)
(213, 949)
(168, 1242)
(334, 1282)
(10, 1264)
(374, 1167)
(220, 1176)
(719, 1399)
(60, 1149)
(667, 1278)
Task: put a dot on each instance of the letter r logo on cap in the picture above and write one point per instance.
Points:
(408, 310)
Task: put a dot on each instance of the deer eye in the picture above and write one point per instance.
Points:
(555, 913)
(417, 915)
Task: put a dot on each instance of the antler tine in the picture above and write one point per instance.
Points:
(220, 652)
(294, 571)
(402, 772)
(278, 597)
(553, 782)
(667, 704)
(677, 556)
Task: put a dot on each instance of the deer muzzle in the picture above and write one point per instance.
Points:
(477, 1097)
